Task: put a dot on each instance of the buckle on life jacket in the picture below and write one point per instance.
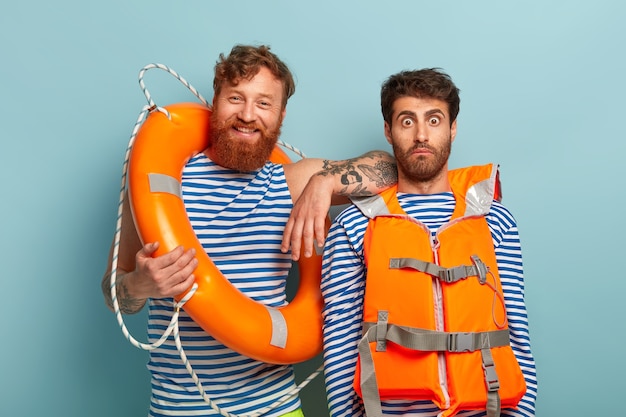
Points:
(461, 342)
(489, 367)
(454, 274)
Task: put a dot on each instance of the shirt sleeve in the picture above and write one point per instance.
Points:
(342, 288)
(510, 267)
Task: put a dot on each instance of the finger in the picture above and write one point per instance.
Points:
(185, 277)
(187, 256)
(296, 239)
(284, 246)
(147, 255)
(178, 263)
(308, 235)
(183, 287)
(148, 249)
(178, 277)
(320, 230)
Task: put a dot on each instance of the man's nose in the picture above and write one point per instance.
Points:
(247, 112)
(422, 133)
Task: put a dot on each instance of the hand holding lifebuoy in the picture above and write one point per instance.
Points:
(162, 276)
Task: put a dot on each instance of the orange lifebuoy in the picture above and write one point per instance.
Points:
(162, 147)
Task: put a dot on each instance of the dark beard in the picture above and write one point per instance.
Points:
(421, 170)
(240, 155)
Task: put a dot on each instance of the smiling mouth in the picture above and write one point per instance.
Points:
(245, 132)
(245, 129)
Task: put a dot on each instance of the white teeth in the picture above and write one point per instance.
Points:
(244, 130)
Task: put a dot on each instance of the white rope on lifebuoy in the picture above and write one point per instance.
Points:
(173, 325)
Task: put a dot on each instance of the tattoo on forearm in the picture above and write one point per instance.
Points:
(127, 303)
(358, 174)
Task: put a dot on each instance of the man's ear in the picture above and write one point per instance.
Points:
(388, 132)
(453, 131)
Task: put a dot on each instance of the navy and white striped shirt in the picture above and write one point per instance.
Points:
(343, 287)
(239, 219)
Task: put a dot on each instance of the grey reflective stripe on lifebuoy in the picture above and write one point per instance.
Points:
(279, 328)
(161, 183)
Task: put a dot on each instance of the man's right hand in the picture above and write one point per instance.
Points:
(163, 276)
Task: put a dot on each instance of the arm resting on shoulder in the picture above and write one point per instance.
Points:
(330, 183)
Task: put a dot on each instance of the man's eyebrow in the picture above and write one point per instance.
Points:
(407, 113)
(428, 113)
(267, 95)
(235, 90)
(436, 111)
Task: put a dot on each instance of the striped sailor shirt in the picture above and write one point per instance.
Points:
(239, 219)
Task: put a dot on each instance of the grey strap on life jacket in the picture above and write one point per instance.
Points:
(428, 340)
(369, 386)
(448, 275)
(492, 383)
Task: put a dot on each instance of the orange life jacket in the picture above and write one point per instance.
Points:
(434, 320)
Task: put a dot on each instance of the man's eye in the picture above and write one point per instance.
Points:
(433, 121)
(407, 122)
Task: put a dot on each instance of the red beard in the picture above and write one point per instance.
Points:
(238, 154)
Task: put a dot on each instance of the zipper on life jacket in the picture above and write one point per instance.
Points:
(439, 320)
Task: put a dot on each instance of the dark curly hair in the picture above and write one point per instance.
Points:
(424, 83)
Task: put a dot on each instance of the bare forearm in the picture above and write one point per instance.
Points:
(367, 174)
(128, 303)
(315, 189)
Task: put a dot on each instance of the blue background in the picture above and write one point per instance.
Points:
(542, 87)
